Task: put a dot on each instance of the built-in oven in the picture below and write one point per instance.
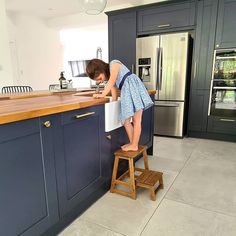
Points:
(222, 101)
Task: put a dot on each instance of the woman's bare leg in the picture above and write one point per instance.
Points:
(129, 130)
(137, 128)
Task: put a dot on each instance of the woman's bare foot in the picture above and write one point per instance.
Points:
(130, 147)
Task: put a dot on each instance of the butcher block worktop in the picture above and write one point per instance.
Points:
(26, 108)
(19, 107)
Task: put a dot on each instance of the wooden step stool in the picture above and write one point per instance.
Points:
(129, 156)
(148, 179)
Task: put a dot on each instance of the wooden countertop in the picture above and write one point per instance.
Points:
(27, 108)
(16, 107)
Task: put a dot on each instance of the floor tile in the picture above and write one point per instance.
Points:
(199, 195)
(178, 219)
(215, 150)
(124, 215)
(208, 184)
(84, 228)
(172, 148)
(163, 164)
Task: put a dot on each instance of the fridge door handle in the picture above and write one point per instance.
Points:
(166, 104)
(160, 67)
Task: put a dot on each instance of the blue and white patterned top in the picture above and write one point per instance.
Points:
(134, 95)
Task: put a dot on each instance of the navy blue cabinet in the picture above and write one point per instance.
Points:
(28, 199)
(166, 17)
(226, 30)
(122, 38)
(198, 111)
(81, 164)
(202, 65)
(148, 128)
(222, 125)
(52, 168)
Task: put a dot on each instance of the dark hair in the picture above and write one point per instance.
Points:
(95, 67)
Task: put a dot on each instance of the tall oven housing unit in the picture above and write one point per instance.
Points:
(222, 102)
(161, 63)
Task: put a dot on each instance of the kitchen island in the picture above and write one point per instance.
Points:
(56, 159)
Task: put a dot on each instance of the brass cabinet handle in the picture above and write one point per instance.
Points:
(165, 25)
(47, 123)
(84, 115)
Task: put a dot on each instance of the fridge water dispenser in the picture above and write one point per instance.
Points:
(144, 67)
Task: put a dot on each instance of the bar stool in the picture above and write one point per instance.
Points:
(129, 156)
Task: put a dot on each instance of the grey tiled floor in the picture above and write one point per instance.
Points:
(199, 197)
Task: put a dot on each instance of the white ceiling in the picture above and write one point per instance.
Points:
(57, 8)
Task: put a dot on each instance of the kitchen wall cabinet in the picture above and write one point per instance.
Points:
(166, 17)
(202, 65)
(80, 159)
(204, 44)
(226, 30)
(28, 199)
(122, 38)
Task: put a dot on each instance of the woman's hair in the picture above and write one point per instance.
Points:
(95, 67)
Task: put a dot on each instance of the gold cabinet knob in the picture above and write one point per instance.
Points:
(47, 123)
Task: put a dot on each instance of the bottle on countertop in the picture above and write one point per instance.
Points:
(63, 82)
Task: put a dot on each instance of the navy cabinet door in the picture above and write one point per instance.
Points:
(122, 38)
(198, 111)
(202, 65)
(28, 199)
(166, 17)
(204, 44)
(79, 160)
(226, 30)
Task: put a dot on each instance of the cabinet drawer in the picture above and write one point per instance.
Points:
(75, 115)
(166, 17)
(222, 125)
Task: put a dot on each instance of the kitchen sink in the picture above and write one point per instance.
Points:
(112, 115)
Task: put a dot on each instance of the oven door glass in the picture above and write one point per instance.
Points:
(223, 102)
(225, 68)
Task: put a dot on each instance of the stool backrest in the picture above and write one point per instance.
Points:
(16, 89)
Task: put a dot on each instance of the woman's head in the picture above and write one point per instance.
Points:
(98, 70)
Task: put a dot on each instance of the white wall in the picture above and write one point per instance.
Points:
(6, 76)
(36, 51)
(40, 50)
(81, 44)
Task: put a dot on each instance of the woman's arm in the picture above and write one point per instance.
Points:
(112, 80)
(114, 93)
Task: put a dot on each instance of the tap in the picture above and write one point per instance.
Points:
(99, 53)
(97, 87)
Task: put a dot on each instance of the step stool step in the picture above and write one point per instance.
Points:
(148, 179)
(131, 154)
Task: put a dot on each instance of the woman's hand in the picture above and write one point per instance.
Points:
(96, 95)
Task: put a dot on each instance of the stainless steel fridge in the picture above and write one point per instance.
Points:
(161, 63)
